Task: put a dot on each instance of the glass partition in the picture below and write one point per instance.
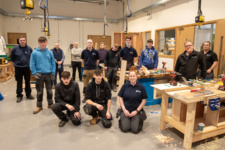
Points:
(206, 33)
(166, 42)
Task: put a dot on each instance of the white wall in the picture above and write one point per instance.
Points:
(2, 18)
(65, 32)
(174, 13)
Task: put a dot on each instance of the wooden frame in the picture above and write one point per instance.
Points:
(157, 41)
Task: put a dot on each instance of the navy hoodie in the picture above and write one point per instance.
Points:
(20, 56)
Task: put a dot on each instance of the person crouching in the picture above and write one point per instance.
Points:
(98, 99)
(67, 97)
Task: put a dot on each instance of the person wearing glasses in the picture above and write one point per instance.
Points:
(189, 61)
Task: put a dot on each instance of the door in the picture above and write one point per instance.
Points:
(182, 34)
(219, 47)
(97, 39)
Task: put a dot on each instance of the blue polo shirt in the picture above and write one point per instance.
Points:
(128, 54)
(132, 95)
(89, 58)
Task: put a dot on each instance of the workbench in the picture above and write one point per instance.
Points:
(188, 110)
(5, 72)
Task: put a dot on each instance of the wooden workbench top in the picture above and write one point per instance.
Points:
(189, 97)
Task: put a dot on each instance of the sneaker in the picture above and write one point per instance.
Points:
(50, 106)
(114, 89)
(30, 97)
(37, 110)
(62, 123)
(19, 99)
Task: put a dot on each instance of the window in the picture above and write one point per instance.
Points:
(206, 33)
(166, 42)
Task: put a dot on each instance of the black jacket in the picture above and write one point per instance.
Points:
(188, 67)
(112, 58)
(68, 94)
(98, 93)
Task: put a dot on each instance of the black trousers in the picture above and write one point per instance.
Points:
(44, 79)
(58, 110)
(58, 70)
(112, 76)
(129, 64)
(92, 110)
(78, 66)
(19, 74)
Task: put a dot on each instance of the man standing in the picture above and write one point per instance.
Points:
(76, 61)
(211, 60)
(102, 52)
(112, 64)
(42, 65)
(67, 97)
(90, 59)
(188, 62)
(149, 56)
(98, 99)
(20, 57)
(59, 59)
(128, 53)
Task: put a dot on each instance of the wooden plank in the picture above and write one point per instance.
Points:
(189, 126)
(164, 108)
(176, 109)
(176, 124)
(122, 78)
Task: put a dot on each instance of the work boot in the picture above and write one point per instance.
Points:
(50, 106)
(94, 119)
(30, 97)
(114, 89)
(37, 110)
(19, 99)
(62, 123)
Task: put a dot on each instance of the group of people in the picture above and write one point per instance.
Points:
(44, 65)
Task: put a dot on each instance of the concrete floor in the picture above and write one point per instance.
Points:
(22, 130)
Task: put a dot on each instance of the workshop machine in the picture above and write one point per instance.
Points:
(28, 5)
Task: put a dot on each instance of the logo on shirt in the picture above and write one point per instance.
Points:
(193, 56)
(93, 54)
(131, 52)
(138, 91)
(208, 55)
